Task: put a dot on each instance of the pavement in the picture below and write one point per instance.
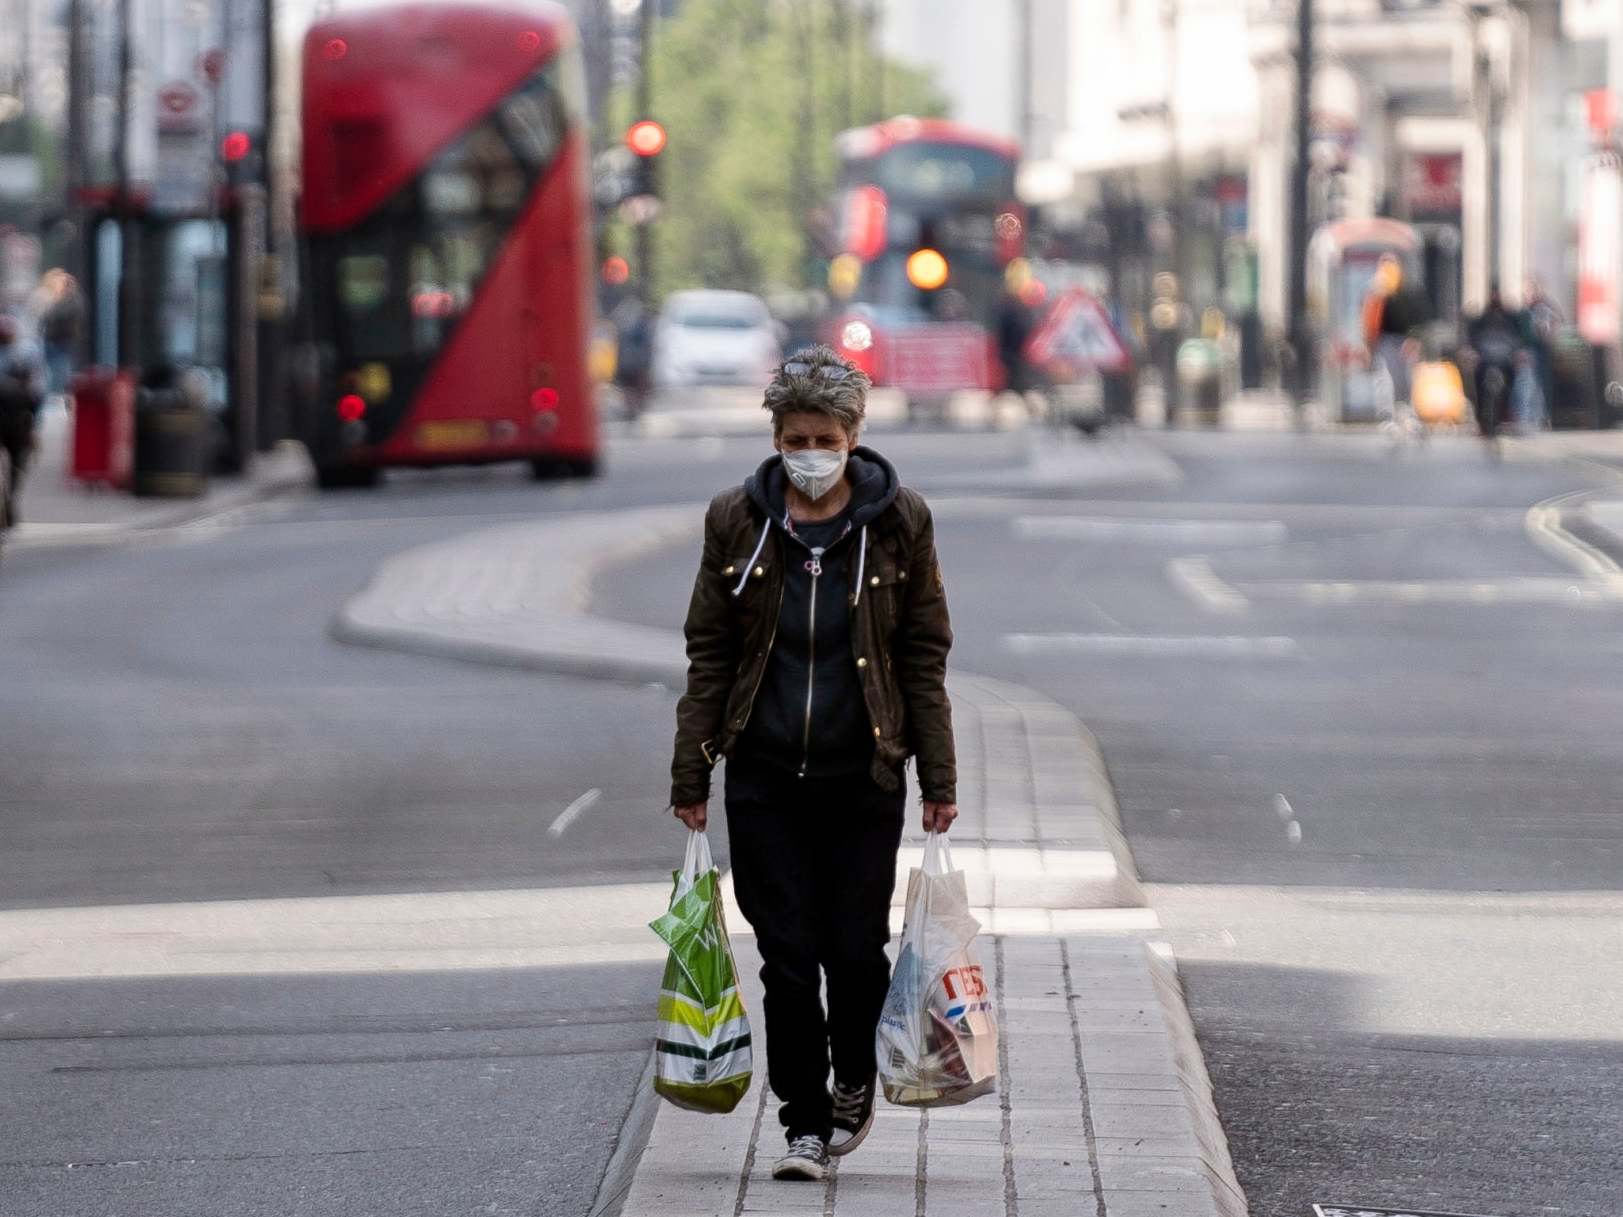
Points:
(1105, 1100)
(1103, 1106)
(57, 510)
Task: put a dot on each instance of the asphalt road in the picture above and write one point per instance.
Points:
(1365, 736)
(1363, 729)
(177, 725)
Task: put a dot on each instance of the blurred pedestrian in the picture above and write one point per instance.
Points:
(634, 354)
(817, 641)
(21, 392)
(1496, 341)
(60, 324)
(1015, 322)
(1392, 311)
(1542, 320)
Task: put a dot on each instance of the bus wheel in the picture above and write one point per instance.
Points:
(347, 477)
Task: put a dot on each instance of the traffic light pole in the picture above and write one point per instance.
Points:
(1296, 268)
(129, 262)
(645, 109)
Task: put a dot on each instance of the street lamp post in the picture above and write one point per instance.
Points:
(645, 109)
(129, 262)
(1296, 269)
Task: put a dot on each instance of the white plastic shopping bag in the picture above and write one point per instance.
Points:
(937, 1038)
(702, 1051)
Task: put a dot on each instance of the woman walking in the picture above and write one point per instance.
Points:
(817, 642)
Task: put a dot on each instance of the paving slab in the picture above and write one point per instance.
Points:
(54, 510)
(1044, 1144)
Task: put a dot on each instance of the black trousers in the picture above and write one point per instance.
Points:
(814, 864)
(17, 438)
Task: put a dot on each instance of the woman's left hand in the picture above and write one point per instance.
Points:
(938, 817)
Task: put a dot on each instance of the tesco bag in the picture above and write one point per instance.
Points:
(937, 1038)
(702, 1058)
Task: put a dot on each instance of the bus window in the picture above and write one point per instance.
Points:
(941, 171)
(371, 321)
(406, 274)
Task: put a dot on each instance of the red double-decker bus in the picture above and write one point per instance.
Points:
(929, 223)
(445, 242)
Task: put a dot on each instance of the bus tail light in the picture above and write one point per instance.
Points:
(865, 221)
(544, 399)
(351, 407)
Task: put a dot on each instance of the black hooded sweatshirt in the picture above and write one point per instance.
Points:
(809, 716)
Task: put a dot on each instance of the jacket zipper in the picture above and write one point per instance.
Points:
(811, 660)
(766, 655)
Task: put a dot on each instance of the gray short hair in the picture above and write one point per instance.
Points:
(808, 389)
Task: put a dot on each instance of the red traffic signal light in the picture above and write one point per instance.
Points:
(235, 146)
(645, 138)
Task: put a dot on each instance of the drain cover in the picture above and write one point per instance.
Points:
(1353, 1210)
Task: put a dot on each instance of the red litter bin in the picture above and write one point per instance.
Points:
(103, 427)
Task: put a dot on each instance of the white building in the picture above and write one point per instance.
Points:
(1463, 116)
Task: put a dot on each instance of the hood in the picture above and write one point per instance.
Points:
(873, 486)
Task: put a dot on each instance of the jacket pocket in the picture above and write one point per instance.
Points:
(884, 583)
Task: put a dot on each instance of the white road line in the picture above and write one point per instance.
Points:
(1543, 522)
(574, 809)
(1531, 590)
(1215, 645)
(1117, 528)
(1195, 578)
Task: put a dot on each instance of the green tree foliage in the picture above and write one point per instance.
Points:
(752, 93)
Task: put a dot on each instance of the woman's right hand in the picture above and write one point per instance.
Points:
(694, 815)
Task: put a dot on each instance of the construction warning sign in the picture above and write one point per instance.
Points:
(1077, 333)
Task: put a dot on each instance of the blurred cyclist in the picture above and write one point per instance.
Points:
(1495, 338)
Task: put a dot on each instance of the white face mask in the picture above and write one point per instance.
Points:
(815, 471)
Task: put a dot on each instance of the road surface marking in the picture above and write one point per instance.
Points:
(1195, 577)
(1283, 808)
(1530, 590)
(1217, 645)
(1117, 528)
(1546, 530)
(574, 809)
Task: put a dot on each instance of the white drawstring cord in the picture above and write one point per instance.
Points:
(766, 527)
(862, 563)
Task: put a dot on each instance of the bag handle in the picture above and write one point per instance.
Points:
(937, 854)
(697, 860)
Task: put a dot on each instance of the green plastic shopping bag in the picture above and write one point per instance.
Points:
(702, 1050)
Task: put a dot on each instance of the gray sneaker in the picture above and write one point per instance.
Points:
(853, 1117)
(807, 1159)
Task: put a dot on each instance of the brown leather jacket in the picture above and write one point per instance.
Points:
(900, 636)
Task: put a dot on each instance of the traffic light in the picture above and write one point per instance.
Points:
(646, 139)
(241, 156)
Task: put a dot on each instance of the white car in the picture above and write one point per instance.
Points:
(714, 338)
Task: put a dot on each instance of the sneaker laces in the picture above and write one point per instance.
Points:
(849, 1102)
(808, 1146)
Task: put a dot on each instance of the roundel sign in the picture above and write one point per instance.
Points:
(178, 107)
(177, 99)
